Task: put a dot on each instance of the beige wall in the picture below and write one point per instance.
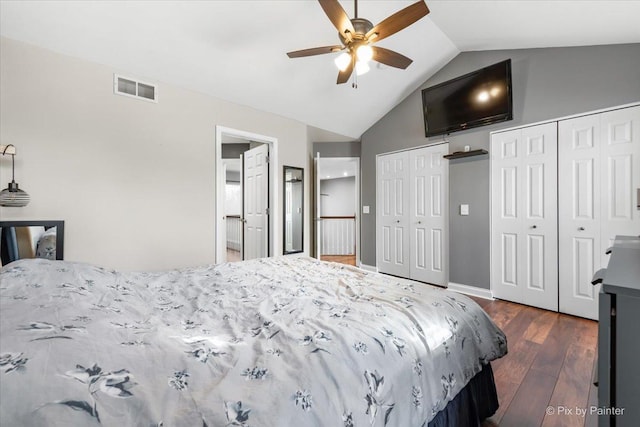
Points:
(133, 180)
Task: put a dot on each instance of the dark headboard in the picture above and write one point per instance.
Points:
(5, 254)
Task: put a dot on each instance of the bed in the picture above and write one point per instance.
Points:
(283, 341)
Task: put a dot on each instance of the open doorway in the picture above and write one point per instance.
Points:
(233, 205)
(338, 199)
(245, 198)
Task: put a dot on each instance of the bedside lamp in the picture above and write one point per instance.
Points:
(12, 196)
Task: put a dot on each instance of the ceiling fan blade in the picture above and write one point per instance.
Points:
(314, 51)
(338, 17)
(399, 21)
(391, 58)
(343, 76)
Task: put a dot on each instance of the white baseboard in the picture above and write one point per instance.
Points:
(470, 290)
(366, 267)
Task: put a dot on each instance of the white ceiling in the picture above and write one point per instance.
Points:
(332, 168)
(235, 50)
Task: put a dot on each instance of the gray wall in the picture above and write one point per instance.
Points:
(337, 149)
(547, 84)
(337, 196)
(233, 151)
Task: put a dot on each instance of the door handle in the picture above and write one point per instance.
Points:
(580, 228)
(419, 222)
(397, 221)
(534, 226)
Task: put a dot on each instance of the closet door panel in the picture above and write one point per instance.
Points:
(620, 164)
(506, 225)
(524, 216)
(428, 217)
(579, 214)
(393, 214)
(539, 231)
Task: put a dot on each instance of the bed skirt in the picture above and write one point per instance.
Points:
(477, 401)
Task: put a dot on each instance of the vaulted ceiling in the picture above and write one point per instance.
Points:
(235, 50)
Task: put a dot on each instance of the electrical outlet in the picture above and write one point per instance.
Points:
(365, 209)
(464, 210)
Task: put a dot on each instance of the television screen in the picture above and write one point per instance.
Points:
(476, 99)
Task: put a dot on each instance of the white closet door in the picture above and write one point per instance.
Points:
(393, 214)
(620, 178)
(429, 203)
(505, 208)
(524, 216)
(599, 164)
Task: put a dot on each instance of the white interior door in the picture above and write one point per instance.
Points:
(256, 202)
(392, 232)
(317, 229)
(599, 163)
(524, 247)
(429, 175)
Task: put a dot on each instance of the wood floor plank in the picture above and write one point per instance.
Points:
(483, 302)
(517, 362)
(592, 419)
(539, 329)
(550, 362)
(528, 407)
(586, 332)
(571, 394)
(519, 324)
(551, 356)
(502, 312)
(506, 391)
(342, 259)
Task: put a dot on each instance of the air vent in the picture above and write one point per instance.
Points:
(134, 88)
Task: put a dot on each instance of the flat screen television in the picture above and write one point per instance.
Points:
(476, 99)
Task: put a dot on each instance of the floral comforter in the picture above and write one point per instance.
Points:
(276, 342)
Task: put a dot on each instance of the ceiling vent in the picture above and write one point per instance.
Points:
(134, 88)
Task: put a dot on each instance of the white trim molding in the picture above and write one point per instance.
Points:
(275, 182)
(371, 268)
(470, 290)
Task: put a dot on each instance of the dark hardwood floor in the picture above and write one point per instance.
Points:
(342, 259)
(548, 370)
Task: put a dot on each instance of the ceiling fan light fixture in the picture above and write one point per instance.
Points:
(357, 36)
(364, 53)
(362, 67)
(343, 61)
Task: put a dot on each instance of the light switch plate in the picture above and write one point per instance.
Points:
(464, 210)
(365, 209)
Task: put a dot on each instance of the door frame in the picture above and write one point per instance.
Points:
(274, 182)
(318, 202)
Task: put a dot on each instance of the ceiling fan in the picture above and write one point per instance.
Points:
(357, 36)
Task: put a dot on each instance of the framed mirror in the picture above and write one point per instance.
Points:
(293, 210)
(31, 239)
